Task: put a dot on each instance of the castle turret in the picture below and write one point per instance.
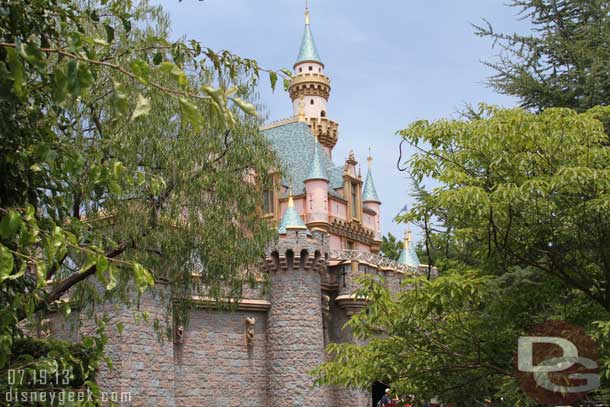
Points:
(295, 332)
(370, 199)
(316, 190)
(310, 89)
(408, 255)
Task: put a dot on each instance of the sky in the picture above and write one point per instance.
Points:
(390, 62)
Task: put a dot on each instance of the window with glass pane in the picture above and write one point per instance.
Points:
(268, 201)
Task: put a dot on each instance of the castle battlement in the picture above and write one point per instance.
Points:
(298, 249)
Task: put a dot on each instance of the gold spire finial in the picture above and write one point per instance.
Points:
(370, 159)
(306, 12)
(290, 200)
(407, 241)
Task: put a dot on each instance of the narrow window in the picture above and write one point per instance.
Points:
(323, 113)
(354, 200)
(319, 69)
(268, 205)
(311, 102)
(310, 68)
(300, 69)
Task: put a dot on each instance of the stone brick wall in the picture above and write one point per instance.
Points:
(143, 364)
(215, 368)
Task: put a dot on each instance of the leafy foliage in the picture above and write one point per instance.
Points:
(390, 246)
(518, 225)
(125, 159)
(563, 62)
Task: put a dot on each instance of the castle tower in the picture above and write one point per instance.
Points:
(316, 191)
(370, 198)
(408, 255)
(294, 329)
(310, 89)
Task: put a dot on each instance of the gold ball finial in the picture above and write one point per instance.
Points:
(370, 159)
(306, 12)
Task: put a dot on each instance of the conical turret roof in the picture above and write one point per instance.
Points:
(316, 171)
(369, 193)
(408, 255)
(308, 50)
(291, 219)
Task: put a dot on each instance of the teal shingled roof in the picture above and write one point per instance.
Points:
(317, 170)
(369, 194)
(408, 257)
(308, 50)
(294, 145)
(291, 219)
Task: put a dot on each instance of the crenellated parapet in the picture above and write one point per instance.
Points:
(298, 250)
(326, 130)
(309, 84)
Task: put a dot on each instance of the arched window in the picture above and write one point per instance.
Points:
(322, 113)
(319, 69)
(301, 69)
(310, 68)
(311, 102)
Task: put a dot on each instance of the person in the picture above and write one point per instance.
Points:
(385, 399)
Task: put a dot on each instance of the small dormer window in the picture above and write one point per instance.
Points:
(322, 113)
(311, 102)
(310, 68)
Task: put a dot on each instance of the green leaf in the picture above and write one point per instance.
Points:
(157, 58)
(88, 342)
(141, 70)
(142, 108)
(99, 41)
(120, 97)
(60, 82)
(101, 264)
(10, 224)
(6, 263)
(248, 108)
(191, 114)
(272, 79)
(17, 72)
(65, 308)
(216, 94)
(143, 277)
(112, 280)
(33, 55)
(109, 32)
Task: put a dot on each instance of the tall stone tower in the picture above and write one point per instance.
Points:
(310, 89)
(294, 329)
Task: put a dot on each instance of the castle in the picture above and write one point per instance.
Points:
(260, 354)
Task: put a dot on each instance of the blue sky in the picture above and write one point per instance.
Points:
(390, 62)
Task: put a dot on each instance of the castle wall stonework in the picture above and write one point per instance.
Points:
(215, 366)
(295, 331)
